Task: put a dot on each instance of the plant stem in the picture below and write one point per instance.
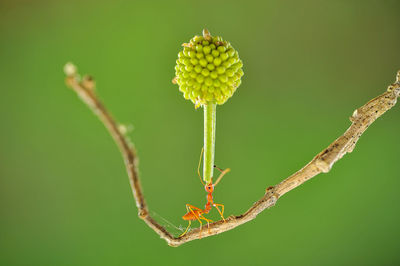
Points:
(210, 117)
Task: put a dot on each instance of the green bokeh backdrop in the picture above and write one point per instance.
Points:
(64, 193)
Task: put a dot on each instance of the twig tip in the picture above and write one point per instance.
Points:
(88, 82)
(70, 69)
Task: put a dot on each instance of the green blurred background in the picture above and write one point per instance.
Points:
(64, 193)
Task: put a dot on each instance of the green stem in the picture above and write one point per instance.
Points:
(210, 117)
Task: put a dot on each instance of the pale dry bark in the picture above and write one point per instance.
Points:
(361, 119)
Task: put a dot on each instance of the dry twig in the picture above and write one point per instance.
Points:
(361, 119)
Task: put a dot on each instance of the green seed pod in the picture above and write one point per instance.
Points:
(208, 70)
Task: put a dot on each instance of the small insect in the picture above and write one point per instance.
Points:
(194, 213)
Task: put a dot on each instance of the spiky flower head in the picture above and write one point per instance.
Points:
(208, 70)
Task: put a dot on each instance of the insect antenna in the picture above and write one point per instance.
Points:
(223, 172)
(198, 168)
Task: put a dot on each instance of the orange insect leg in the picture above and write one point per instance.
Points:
(220, 212)
(189, 209)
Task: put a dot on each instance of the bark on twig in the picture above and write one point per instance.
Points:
(361, 119)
